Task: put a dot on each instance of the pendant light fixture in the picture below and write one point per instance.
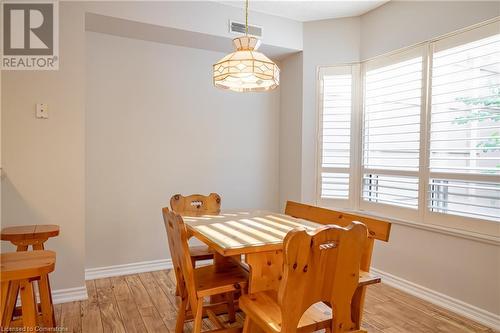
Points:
(246, 69)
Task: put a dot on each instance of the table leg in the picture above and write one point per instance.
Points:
(221, 262)
(265, 270)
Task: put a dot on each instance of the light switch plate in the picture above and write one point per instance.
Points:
(42, 111)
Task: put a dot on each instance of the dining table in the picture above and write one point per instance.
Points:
(256, 237)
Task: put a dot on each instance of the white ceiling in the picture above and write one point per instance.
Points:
(309, 10)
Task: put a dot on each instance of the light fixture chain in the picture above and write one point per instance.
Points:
(246, 17)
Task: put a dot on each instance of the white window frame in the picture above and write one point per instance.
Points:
(422, 215)
(394, 211)
(352, 69)
(447, 220)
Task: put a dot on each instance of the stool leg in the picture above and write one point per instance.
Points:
(22, 248)
(3, 304)
(10, 305)
(14, 291)
(28, 305)
(46, 302)
(38, 246)
(51, 302)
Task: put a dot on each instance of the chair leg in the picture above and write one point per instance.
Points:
(28, 306)
(181, 316)
(357, 304)
(250, 326)
(46, 302)
(247, 325)
(341, 315)
(177, 292)
(177, 279)
(198, 316)
(231, 313)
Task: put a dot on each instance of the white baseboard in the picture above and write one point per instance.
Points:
(69, 295)
(133, 268)
(63, 295)
(449, 303)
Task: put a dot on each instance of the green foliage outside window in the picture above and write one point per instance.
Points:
(487, 108)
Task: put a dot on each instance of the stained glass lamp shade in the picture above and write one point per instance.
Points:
(246, 69)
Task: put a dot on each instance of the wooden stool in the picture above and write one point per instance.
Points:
(20, 269)
(23, 237)
(26, 235)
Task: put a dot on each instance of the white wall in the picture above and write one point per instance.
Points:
(156, 126)
(43, 160)
(206, 17)
(290, 142)
(467, 270)
(399, 24)
(326, 42)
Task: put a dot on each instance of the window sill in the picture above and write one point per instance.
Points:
(432, 227)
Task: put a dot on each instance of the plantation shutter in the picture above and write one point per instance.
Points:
(464, 161)
(336, 112)
(392, 107)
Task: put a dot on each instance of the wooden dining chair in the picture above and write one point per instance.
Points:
(197, 283)
(377, 230)
(197, 204)
(318, 268)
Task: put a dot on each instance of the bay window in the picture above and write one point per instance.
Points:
(416, 135)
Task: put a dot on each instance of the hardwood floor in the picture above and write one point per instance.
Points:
(146, 302)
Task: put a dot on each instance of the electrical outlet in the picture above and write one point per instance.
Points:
(42, 111)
